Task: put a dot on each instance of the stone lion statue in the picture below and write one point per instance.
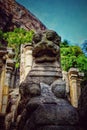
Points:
(46, 62)
(43, 95)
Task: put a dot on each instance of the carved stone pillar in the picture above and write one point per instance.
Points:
(9, 67)
(3, 53)
(26, 61)
(2, 78)
(10, 64)
(73, 77)
(80, 78)
(65, 77)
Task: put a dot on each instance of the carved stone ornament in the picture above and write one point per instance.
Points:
(46, 46)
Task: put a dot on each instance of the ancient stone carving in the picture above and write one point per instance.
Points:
(46, 46)
(43, 96)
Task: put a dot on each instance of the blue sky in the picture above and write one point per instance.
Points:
(67, 17)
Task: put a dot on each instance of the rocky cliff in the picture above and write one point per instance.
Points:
(12, 15)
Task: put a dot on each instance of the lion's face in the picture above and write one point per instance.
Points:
(46, 46)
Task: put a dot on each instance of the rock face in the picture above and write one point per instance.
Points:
(14, 15)
(43, 104)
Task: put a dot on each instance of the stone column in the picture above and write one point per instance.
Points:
(1, 85)
(73, 76)
(26, 60)
(22, 64)
(3, 52)
(12, 79)
(65, 77)
(2, 78)
(80, 78)
(9, 67)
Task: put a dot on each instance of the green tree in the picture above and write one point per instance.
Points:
(69, 57)
(73, 56)
(16, 38)
(64, 44)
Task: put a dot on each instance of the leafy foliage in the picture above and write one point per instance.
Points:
(16, 38)
(73, 56)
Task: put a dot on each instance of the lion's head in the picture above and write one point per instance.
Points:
(46, 46)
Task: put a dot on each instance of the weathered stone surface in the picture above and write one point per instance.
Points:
(13, 101)
(44, 89)
(57, 128)
(46, 46)
(82, 107)
(49, 42)
(3, 52)
(2, 124)
(47, 110)
(14, 15)
(75, 78)
(66, 79)
(59, 88)
(26, 60)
